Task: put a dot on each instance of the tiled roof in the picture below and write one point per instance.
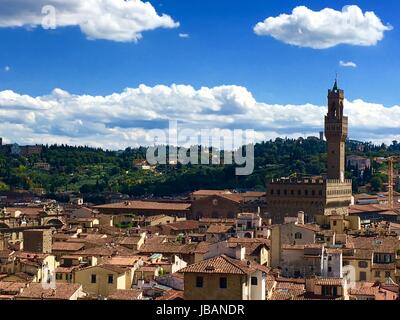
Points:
(311, 227)
(63, 291)
(133, 240)
(147, 205)
(124, 260)
(223, 265)
(168, 247)
(11, 287)
(381, 244)
(329, 282)
(171, 295)
(130, 294)
(219, 228)
(67, 246)
(364, 289)
(210, 192)
(253, 246)
(29, 211)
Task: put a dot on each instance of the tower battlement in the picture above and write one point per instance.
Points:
(318, 195)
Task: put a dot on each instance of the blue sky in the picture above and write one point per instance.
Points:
(221, 49)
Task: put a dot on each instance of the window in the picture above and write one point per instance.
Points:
(199, 282)
(93, 278)
(110, 279)
(387, 274)
(329, 269)
(363, 264)
(223, 283)
(363, 276)
(59, 276)
(329, 291)
(254, 281)
(377, 274)
(334, 222)
(298, 235)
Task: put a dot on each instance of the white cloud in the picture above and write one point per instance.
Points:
(184, 35)
(116, 20)
(326, 28)
(123, 119)
(7, 68)
(347, 64)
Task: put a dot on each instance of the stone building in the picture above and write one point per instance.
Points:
(324, 195)
(38, 241)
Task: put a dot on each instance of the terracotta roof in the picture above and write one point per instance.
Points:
(29, 211)
(210, 192)
(67, 269)
(124, 260)
(224, 265)
(205, 221)
(67, 246)
(202, 247)
(131, 294)
(364, 289)
(252, 246)
(381, 244)
(168, 247)
(371, 208)
(329, 282)
(219, 228)
(147, 205)
(11, 287)
(184, 225)
(312, 227)
(63, 291)
(171, 295)
(133, 240)
(147, 269)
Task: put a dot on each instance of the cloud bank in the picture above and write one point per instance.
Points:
(115, 20)
(326, 28)
(123, 119)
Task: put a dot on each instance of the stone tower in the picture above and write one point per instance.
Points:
(336, 129)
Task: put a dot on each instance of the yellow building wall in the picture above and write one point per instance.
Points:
(211, 289)
(101, 287)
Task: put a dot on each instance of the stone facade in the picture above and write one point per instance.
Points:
(326, 195)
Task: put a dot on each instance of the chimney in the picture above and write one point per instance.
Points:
(300, 217)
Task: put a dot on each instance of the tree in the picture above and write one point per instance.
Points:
(376, 184)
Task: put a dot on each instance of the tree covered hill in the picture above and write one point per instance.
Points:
(90, 170)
